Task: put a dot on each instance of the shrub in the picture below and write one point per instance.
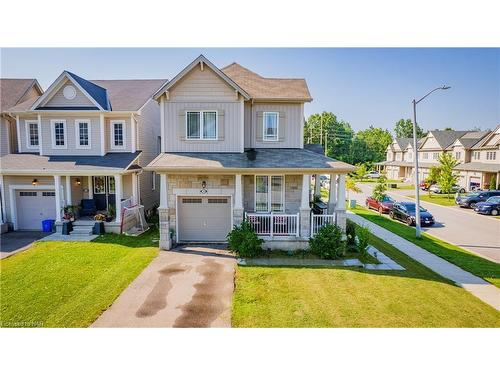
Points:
(350, 231)
(243, 241)
(327, 243)
(363, 237)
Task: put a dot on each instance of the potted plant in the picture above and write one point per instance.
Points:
(99, 226)
(70, 212)
(111, 212)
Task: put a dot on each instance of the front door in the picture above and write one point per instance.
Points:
(104, 192)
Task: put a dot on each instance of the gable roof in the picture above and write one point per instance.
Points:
(200, 60)
(447, 137)
(13, 90)
(403, 142)
(268, 88)
(469, 139)
(98, 93)
(487, 138)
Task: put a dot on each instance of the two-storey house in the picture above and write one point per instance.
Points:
(81, 141)
(232, 147)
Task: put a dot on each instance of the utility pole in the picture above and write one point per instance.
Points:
(321, 130)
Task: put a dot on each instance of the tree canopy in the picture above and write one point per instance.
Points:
(404, 129)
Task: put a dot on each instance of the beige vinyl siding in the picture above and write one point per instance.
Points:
(80, 100)
(430, 144)
(247, 118)
(71, 149)
(110, 137)
(229, 127)
(22, 134)
(200, 85)
(148, 131)
(4, 136)
(289, 128)
(31, 93)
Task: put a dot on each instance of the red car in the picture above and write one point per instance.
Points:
(383, 206)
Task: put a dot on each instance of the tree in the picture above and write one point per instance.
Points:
(380, 188)
(361, 172)
(404, 129)
(433, 176)
(447, 177)
(350, 185)
(370, 145)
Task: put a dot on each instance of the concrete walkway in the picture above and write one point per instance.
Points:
(190, 286)
(483, 290)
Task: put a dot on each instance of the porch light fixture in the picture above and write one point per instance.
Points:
(34, 182)
(203, 187)
(78, 182)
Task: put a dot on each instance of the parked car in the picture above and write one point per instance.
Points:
(472, 199)
(383, 206)
(455, 188)
(373, 174)
(405, 212)
(490, 207)
(425, 185)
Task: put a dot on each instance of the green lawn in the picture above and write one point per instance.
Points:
(441, 199)
(69, 284)
(403, 186)
(351, 297)
(476, 265)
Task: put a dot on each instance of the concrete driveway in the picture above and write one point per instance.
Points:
(15, 242)
(190, 286)
(460, 226)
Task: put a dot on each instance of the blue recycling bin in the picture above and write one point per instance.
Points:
(48, 225)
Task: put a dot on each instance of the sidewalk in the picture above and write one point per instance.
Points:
(483, 290)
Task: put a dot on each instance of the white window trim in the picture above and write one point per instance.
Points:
(153, 180)
(77, 133)
(112, 134)
(53, 132)
(264, 138)
(202, 125)
(269, 192)
(27, 124)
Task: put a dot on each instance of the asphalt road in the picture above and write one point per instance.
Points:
(460, 226)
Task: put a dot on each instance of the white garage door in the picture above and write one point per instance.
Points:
(204, 218)
(33, 206)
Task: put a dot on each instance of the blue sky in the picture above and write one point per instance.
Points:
(362, 86)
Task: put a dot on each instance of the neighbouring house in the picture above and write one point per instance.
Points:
(81, 143)
(232, 147)
(476, 152)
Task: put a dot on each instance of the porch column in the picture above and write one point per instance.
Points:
(135, 195)
(332, 195)
(118, 197)
(102, 135)
(498, 181)
(317, 186)
(57, 187)
(305, 210)
(133, 131)
(68, 191)
(238, 200)
(2, 201)
(340, 215)
(90, 187)
(163, 212)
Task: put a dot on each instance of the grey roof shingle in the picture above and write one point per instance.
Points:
(12, 90)
(447, 137)
(16, 163)
(95, 91)
(266, 158)
(479, 167)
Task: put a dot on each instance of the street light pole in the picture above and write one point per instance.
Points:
(415, 159)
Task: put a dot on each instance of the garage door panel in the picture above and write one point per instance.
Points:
(34, 206)
(204, 218)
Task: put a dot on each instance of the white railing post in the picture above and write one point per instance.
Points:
(297, 220)
(271, 229)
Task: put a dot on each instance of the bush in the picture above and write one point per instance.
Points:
(243, 241)
(350, 231)
(363, 237)
(327, 243)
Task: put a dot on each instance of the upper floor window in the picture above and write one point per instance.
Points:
(59, 135)
(82, 133)
(117, 134)
(32, 136)
(425, 155)
(476, 155)
(435, 155)
(201, 125)
(271, 123)
(491, 155)
(458, 155)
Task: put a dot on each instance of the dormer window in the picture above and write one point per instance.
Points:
(82, 133)
(271, 123)
(32, 135)
(117, 134)
(201, 125)
(59, 135)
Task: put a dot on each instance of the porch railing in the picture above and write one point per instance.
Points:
(274, 224)
(127, 203)
(318, 221)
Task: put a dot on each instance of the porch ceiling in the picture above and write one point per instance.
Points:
(22, 164)
(266, 160)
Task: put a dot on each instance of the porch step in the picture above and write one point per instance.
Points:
(81, 230)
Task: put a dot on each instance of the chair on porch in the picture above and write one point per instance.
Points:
(88, 207)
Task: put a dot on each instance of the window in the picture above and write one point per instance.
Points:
(217, 200)
(32, 136)
(49, 193)
(269, 193)
(99, 184)
(82, 133)
(271, 121)
(59, 134)
(476, 155)
(435, 155)
(27, 193)
(425, 155)
(111, 185)
(201, 125)
(491, 155)
(191, 200)
(458, 155)
(117, 134)
(153, 180)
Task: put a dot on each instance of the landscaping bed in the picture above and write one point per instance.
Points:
(69, 284)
